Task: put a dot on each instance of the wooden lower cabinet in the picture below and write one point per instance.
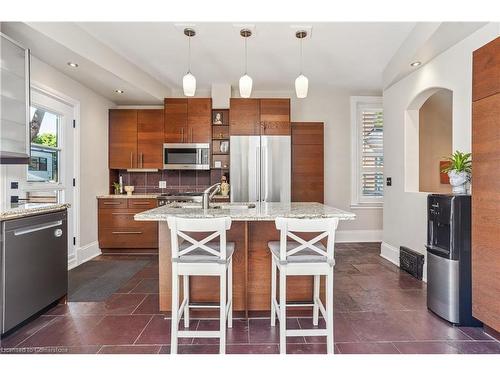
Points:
(118, 232)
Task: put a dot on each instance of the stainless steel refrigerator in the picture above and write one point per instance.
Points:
(260, 168)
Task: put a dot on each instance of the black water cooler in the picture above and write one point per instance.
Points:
(449, 285)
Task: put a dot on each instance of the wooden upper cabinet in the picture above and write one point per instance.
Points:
(307, 162)
(485, 70)
(245, 116)
(176, 120)
(122, 138)
(275, 116)
(199, 120)
(150, 138)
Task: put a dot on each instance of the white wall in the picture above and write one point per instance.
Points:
(404, 213)
(93, 164)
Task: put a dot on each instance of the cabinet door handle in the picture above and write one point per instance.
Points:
(127, 232)
(112, 203)
(131, 160)
(142, 160)
(191, 130)
(182, 135)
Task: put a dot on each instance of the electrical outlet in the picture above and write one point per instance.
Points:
(162, 184)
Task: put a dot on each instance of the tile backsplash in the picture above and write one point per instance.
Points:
(148, 182)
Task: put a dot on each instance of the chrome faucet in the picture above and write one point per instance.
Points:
(208, 194)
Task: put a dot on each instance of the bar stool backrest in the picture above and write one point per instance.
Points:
(217, 227)
(289, 226)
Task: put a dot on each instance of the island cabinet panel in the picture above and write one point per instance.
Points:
(245, 116)
(118, 232)
(199, 120)
(150, 138)
(188, 120)
(275, 116)
(122, 138)
(486, 71)
(176, 120)
(307, 162)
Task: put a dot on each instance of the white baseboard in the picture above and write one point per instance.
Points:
(87, 252)
(358, 236)
(390, 253)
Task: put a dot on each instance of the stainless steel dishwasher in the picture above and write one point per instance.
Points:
(34, 265)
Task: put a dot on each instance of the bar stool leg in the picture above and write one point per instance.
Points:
(273, 292)
(185, 280)
(230, 294)
(175, 309)
(222, 315)
(316, 297)
(282, 310)
(329, 312)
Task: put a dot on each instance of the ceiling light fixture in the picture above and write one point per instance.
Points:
(72, 64)
(301, 82)
(189, 80)
(245, 80)
(415, 64)
(118, 91)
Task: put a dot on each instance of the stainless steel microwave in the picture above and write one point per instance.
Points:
(186, 156)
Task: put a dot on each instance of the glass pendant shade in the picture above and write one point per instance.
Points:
(189, 84)
(301, 86)
(245, 86)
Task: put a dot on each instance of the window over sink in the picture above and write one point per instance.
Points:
(367, 158)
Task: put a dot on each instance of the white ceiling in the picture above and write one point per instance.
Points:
(349, 54)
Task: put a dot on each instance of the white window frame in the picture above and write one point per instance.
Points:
(357, 104)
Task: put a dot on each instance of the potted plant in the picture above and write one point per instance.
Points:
(116, 186)
(459, 170)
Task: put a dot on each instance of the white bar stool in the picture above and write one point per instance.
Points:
(300, 257)
(206, 257)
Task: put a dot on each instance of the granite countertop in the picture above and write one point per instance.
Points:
(30, 209)
(259, 212)
(137, 196)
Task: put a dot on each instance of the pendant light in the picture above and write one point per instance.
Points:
(245, 80)
(301, 83)
(189, 80)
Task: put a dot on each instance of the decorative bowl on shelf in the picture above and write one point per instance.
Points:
(129, 189)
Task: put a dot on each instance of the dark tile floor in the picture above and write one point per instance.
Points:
(378, 309)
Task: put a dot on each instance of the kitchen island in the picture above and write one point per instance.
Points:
(252, 228)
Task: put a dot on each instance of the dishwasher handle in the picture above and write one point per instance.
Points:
(37, 228)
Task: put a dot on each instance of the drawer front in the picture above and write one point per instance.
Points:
(113, 203)
(145, 204)
(145, 237)
(122, 218)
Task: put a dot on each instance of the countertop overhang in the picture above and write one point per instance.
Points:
(30, 209)
(263, 211)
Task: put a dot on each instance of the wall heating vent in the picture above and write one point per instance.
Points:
(411, 262)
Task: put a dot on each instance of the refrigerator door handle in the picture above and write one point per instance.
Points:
(264, 174)
(257, 179)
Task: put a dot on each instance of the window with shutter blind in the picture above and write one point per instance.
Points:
(367, 163)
